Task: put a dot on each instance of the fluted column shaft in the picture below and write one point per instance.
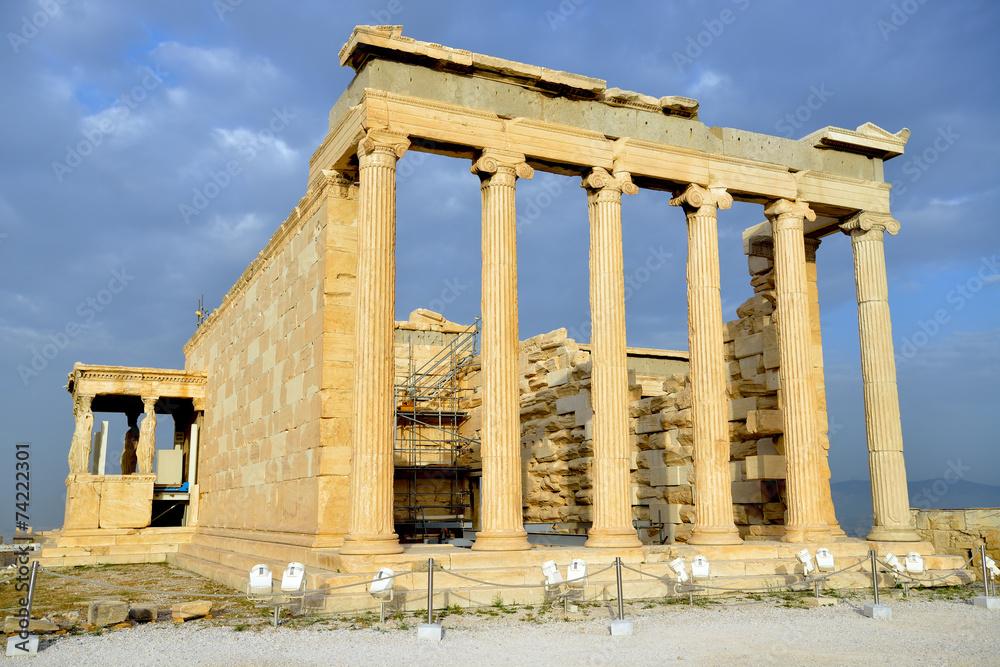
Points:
(806, 520)
(890, 499)
(710, 424)
(612, 496)
(79, 449)
(145, 451)
(502, 524)
(370, 526)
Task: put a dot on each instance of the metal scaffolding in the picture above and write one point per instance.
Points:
(431, 496)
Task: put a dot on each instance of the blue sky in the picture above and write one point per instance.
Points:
(117, 114)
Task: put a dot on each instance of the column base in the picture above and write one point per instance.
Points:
(371, 545)
(837, 531)
(625, 538)
(501, 541)
(893, 534)
(807, 533)
(715, 535)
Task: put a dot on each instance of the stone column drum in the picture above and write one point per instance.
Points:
(890, 499)
(145, 451)
(79, 449)
(806, 522)
(370, 524)
(709, 405)
(612, 497)
(502, 525)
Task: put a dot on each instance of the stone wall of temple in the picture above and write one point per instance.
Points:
(275, 452)
(960, 532)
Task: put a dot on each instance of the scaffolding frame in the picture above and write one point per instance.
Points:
(430, 408)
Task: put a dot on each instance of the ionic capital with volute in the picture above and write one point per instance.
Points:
(695, 198)
(782, 212)
(866, 221)
(386, 144)
(501, 166)
(601, 183)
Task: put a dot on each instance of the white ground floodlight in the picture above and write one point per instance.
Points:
(383, 585)
(677, 565)
(293, 578)
(893, 562)
(259, 588)
(553, 580)
(991, 565)
(914, 563)
(383, 588)
(824, 560)
(576, 574)
(699, 567)
(807, 562)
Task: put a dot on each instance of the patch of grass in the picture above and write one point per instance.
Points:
(240, 627)
(498, 601)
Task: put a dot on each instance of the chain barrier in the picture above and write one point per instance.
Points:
(896, 573)
(219, 595)
(688, 587)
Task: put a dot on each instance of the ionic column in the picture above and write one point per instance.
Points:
(890, 500)
(83, 433)
(612, 526)
(370, 525)
(822, 422)
(502, 526)
(146, 449)
(709, 407)
(806, 522)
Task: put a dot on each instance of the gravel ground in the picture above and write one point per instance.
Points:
(920, 633)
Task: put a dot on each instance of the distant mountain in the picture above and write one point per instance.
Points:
(853, 499)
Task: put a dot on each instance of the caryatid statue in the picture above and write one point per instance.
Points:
(146, 448)
(79, 450)
(128, 460)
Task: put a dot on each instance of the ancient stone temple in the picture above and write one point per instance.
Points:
(298, 390)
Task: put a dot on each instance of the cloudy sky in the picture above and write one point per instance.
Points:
(116, 115)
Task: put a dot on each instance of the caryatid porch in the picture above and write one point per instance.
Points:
(829, 181)
(95, 499)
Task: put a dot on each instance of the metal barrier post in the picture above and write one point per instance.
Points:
(31, 587)
(430, 591)
(871, 554)
(618, 575)
(986, 574)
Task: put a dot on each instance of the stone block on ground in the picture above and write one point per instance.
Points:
(12, 625)
(106, 612)
(142, 613)
(183, 611)
(430, 631)
(879, 612)
(984, 602)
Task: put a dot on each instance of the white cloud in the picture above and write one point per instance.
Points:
(708, 83)
(220, 62)
(229, 228)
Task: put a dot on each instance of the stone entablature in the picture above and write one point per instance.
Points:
(127, 381)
